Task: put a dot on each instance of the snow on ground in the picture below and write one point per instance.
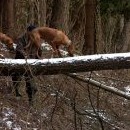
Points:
(10, 120)
(4, 47)
(127, 90)
(47, 47)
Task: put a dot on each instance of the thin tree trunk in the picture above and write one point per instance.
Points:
(43, 11)
(125, 38)
(99, 31)
(1, 13)
(89, 46)
(7, 16)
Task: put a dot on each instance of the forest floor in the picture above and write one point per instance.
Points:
(62, 103)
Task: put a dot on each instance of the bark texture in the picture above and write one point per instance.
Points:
(89, 46)
(7, 16)
(60, 15)
(66, 65)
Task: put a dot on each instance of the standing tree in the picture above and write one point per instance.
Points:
(125, 37)
(60, 15)
(36, 12)
(7, 16)
(89, 46)
(116, 17)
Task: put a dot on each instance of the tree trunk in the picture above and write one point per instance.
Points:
(37, 12)
(7, 16)
(40, 12)
(99, 32)
(125, 38)
(77, 24)
(1, 14)
(66, 65)
(60, 15)
(89, 46)
(43, 13)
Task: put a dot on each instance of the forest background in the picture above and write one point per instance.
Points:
(62, 103)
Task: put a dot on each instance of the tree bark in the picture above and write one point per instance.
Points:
(125, 38)
(37, 12)
(60, 15)
(77, 24)
(1, 12)
(66, 65)
(89, 46)
(7, 16)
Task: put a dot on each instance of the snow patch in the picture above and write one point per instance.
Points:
(127, 90)
(7, 119)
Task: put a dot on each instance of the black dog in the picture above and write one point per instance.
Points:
(22, 42)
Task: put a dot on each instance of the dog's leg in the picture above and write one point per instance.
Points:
(58, 51)
(38, 55)
(70, 49)
(53, 49)
(16, 79)
(30, 88)
(37, 46)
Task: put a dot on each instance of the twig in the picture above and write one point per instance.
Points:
(100, 85)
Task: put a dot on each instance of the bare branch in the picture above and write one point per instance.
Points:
(100, 85)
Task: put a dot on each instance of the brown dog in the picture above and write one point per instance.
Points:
(7, 41)
(54, 37)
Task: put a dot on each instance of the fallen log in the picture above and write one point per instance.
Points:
(66, 65)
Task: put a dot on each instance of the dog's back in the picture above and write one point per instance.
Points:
(52, 36)
(45, 33)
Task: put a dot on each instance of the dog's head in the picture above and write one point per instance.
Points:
(30, 28)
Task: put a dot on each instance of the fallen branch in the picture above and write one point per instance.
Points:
(100, 85)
